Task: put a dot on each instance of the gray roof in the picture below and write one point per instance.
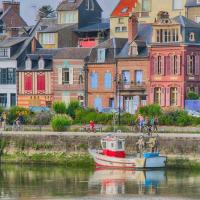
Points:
(185, 22)
(55, 28)
(9, 42)
(94, 28)
(192, 3)
(113, 47)
(66, 53)
(144, 33)
(67, 6)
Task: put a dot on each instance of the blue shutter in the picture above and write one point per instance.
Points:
(94, 80)
(108, 80)
(98, 103)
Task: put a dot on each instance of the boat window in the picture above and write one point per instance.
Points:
(112, 145)
(104, 145)
(119, 144)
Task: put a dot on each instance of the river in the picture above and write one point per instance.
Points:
(56, 183)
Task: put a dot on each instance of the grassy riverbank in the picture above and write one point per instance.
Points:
(82, 160)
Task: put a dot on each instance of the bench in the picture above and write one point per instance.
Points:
(86, 128)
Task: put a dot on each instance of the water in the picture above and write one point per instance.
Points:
(54, 183)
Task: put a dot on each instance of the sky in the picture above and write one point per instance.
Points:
(29, 7)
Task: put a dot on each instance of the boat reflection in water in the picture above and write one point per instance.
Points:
(115, 181)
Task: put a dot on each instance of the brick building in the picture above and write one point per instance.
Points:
(174, 60)
(68, 74)
(101, 70)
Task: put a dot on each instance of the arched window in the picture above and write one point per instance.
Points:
(192, 37)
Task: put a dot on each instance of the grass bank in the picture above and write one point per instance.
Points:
(73, 160)
(82, 160)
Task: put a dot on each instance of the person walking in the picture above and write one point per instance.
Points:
(3, 120)
(155, 127)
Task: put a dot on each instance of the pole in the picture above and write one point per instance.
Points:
(119, 116)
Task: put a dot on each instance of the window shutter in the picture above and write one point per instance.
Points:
(60, 78)
(171, 64)
(168, 96)
(197, 66)
(71, 76)
(179, 99)
(178, 65)
(188, 64)
(98, 103)
(163, 65)
(107, 80)
(155, 65)
(163, 97)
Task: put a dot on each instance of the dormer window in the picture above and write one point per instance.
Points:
(3, 52)
(28, 64)
(41, 63)
(124, 10)
(89, 5)
(101, 55)
(192, 37)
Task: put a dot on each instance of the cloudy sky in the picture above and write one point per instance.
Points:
(29, 7)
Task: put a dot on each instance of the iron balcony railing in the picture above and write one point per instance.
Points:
(133, 86)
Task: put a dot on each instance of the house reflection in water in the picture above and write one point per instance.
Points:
(114, 181)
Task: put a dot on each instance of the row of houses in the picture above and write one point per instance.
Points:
(156, 62)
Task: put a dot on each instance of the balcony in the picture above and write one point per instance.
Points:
(133, 86)
(89, 42)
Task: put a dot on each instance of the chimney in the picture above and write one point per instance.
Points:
(132, 27)
(15, 5)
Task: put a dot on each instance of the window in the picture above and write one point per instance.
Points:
(98, 103)
(3, 52)
(173, 96)
(124, 29)
(197, 19)
(157, 95)
(120, 146)
(108, 80)
(101, 55)
(41, 63)
(138, 76)
(191, 67)
(94, 80)
(177, 5)
(121, 20)
(191, 37)
(13, 99)
(124, 10)
(146, 5)
(3, 100)
(28, 64)
(117, 29)
(111, 103)
(159, 67)
(48, 38)
(7, 76)
(65, 76)
(167, 35)
(126, 76)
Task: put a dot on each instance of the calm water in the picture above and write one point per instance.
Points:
(26, 183)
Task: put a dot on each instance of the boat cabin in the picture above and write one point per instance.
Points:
(113, 147)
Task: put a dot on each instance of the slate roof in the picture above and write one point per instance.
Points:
(67, 6)
(55, 28)
(66, 53)
(94, 28)
(187, 23)
(192, 3)
(9, 42)
(113, 47)
(12, 19)
(123, 8)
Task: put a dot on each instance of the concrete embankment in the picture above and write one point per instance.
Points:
(51, 147)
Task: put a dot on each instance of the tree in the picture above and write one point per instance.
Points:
(192, 96)
(46, 11)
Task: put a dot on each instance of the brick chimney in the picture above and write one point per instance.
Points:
(15, 5)
(132, 27)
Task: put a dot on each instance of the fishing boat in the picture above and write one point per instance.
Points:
(113, 155)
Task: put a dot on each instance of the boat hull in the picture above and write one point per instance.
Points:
(140, 163)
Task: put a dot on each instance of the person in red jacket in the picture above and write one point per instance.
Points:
(91, 126)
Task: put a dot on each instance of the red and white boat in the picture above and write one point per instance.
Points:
(113, 155)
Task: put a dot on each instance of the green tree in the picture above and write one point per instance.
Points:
(150, 110)
(192, 96)
(72, 107)
(46, 11)
(59, 107)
